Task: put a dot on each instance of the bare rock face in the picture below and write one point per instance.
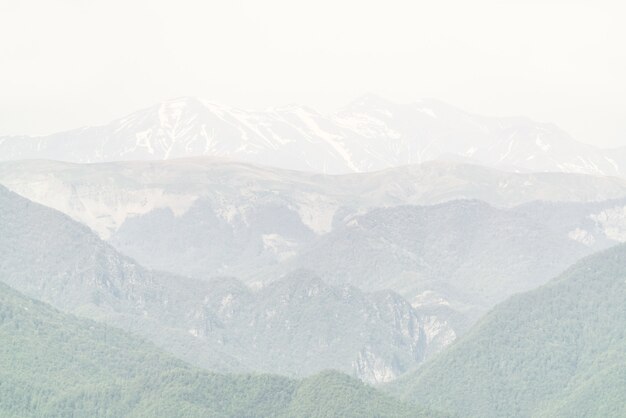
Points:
(304, 324)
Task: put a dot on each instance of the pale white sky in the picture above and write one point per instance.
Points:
(69, 63)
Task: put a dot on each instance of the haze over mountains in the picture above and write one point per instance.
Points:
(105, 196)
(297, 326)
(411, 245)
(204, 218)
(464, 255)
(369, 134)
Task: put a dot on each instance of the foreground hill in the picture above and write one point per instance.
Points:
(57, 365)
(368, 134)
(558, 351)
(291, 327)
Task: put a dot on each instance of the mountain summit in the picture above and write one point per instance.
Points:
(369, 134)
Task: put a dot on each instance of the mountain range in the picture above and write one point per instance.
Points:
(196, 259)
(111, 197)
(464, 254)
(298, 326)
(369, 134)
(204, 218)
(57, 365)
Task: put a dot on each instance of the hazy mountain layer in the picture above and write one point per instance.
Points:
(203, 217)
(56, 365)
(463, 254)
(368, 134)
(557, 351)
(297, 326)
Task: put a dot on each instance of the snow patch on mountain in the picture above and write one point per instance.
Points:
(545, 147)
(427, 111)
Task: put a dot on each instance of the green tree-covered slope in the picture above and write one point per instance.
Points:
(557, 351)
(56, 365)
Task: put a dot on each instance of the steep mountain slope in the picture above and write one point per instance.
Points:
(47, 256)
(558, 351)
(53, 364)
(202, 217)
(302, 324)
(291, 327)
(369, 134)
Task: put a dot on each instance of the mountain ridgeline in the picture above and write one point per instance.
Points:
(297, 326)
(453, 239)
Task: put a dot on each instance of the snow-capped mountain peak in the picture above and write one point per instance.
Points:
(371, 133)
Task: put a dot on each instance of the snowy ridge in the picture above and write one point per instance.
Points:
(369, 134)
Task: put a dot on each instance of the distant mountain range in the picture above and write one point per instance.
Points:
(369, 134)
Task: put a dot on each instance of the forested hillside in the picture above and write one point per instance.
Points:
(558, 351)
(57, 365)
